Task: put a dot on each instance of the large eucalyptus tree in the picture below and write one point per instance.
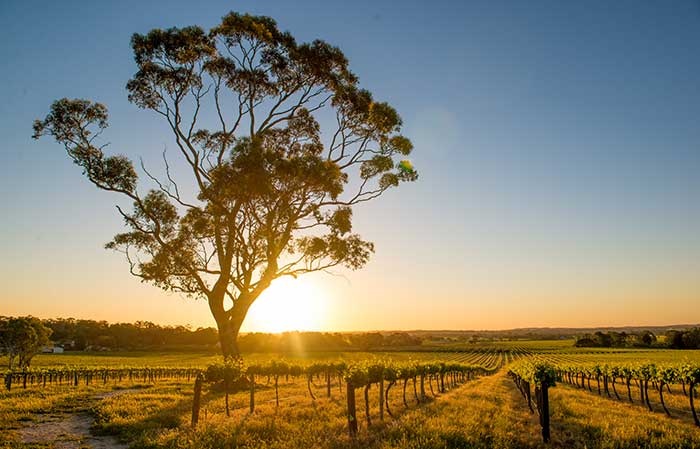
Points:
(245, 104)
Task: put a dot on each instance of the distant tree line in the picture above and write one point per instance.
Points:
(90, 335)
(684, 339)
(674, 339)
(82, 335)
(614, 339)
(322, 341)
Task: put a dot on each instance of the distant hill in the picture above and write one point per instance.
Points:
(545, 332)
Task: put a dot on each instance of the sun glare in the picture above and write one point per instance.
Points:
(287, 305)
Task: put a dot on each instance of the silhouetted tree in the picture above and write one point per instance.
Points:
(691, 338)
(273, 194)
(602, 339)
(368, 340)
(683, 339)
(648, 338)
(22, 338)
(617, 339)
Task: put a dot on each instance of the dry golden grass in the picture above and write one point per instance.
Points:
(585, 420)
(486, 413)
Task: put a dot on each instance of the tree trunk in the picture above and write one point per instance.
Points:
(227, 336)
(228, 322)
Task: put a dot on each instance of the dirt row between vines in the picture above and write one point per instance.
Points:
(68, 430)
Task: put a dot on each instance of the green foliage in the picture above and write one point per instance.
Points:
(614, 339)
(689, 373)
(228, 371)
(359, 373)
(683, 339)
(22, 338)
(536, 373)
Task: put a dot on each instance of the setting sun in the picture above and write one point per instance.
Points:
(288, 304)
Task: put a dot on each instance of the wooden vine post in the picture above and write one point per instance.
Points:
(381, 399)
(277, 391)
(367, 415)
(328, 382)
(352, 412)
(252, 393)
(544, 412)
(196, 402)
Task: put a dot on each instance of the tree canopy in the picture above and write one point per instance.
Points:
(22, 338)
(280, 142)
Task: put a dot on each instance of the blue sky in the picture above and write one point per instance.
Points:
(558, 145)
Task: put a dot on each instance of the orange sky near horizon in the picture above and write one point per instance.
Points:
(376, 298)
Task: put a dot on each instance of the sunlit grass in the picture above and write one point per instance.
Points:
(485, 413)
(585, 420)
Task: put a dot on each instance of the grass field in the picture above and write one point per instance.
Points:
(482, 413)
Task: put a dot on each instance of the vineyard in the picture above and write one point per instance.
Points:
(368, 397)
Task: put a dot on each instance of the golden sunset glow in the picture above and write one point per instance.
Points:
(288, 305)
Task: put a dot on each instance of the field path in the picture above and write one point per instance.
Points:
(72, 430)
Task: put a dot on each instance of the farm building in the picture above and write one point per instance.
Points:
(52, 350)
